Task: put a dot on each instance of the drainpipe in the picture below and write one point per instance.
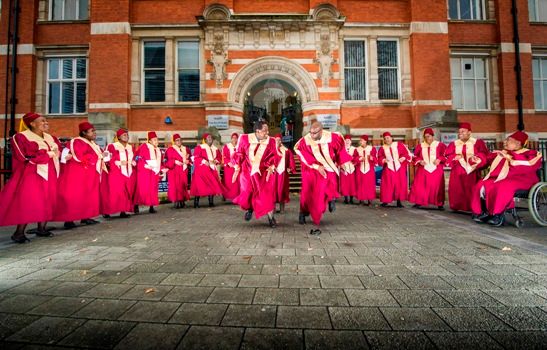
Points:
(14, 69)
(514, 12)
(6, 88)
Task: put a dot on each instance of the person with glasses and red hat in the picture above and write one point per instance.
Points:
(394, 157)
(466, 157)
(428, 186)
(347, 179)
(30, 194)
(149, 170)
(178, 162)
(365, 176)
(231, 188)
(79, 184)
(118, 186)
(206, 180)
(512, 169)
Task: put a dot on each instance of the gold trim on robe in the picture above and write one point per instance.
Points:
(255, 158)
(364, 152)
(469, 152)
(126, 170)
(322, 156)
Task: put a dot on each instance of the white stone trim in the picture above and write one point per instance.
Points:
(7, 116)
(309, 106)
(22, 49)
(244, 61)
(216, 91)
(510, 47)
(328, 89)
(120, 105)
(110, 28)
(432, 102)
(429, 27)
(516, 111)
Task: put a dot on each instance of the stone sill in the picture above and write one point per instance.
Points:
(45, 21)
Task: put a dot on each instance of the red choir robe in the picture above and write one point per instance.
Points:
(149, 165)
(206, 181)
(30, 194)
(464, 173)
(504, 179)
(178, 160)
(348, 187)
(231, 189)
(365, 175)
(253, 158)
(394, 185)
(428, 185)
(118, 186)
(317, 191)
(79, 184)
(286, 163)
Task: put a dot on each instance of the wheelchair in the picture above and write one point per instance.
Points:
(535, 201)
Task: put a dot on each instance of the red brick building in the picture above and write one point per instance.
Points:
(372, 65)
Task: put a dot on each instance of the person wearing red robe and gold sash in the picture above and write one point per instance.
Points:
(365, 176)
(206, 181)
(231, 188)
(428, 186)
(466, 157)
(30, 194)
(347, 179)
(322, 154)
(513, 169)
(178, 160)
(119, 184)
(256, 159)
(79, 183)
(394, 157)
(149, 170)
(285, 167)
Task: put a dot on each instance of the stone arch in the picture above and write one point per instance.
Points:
(276, 67)
(216, 12)
(325, 12)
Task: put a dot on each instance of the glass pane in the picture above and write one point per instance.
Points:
(387, 53)
(57, 9)
(537, 95)
(67, 69)
(465, 9)
(469, 101)
(455, 68)
(355, 84)
(54, 95)
(80, 68)
(532, 10)
(544, 101)
(542, 11)
(453, 9)
(188, 55)
(68, 98)
(53, 69)
(387, 84)
(468, 69)
(189, 85)
(80, 97)
(154, 86)
(154, 55)
(70, 9)
(354, 53)
(544, 68)
(536, 73)
(480, 71)
(83, 10)
(481, 94)
(457, 101)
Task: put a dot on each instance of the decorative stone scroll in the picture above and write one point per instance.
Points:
(219, 60)
(325, 60)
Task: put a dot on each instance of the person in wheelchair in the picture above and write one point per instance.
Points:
(512, 169)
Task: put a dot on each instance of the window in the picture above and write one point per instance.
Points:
(154, 71)
(537, 10)
(188, 70)
(355, 85)
(539, 73)
(469, 83)
(66, 85)
(466, 9)
(388, 69)
(68, 10)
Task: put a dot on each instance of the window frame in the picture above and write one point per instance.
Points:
(61, 80)
(399, 63)
(78, 2)
(540, 56)
(483, 9)
(536, 6)
(176, 70)
(143, 75)
(367, 65)
(488, 78)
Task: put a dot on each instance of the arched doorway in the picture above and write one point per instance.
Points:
(278, 102)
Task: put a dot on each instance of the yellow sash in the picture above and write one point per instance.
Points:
(506, 166)
(469, 152)
(211, 152)
(100, 163)
(127, 169)
(364, 152)
(429, 154)
(255, 158)
(350, 151)
(393, 163)
(325, 158)
(281, 166)
(46, 143)
(182, 152)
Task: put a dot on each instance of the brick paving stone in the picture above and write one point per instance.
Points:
(359, 297)
(521, 318)
(147, 292)
(287, 281)
(46, 330)
(150, 311)
(21, 303)
(32, 287)
(413, 319)
(471, 319)
(97, 333)
(11, 323)
(210, 268)
(104, 309)
(342, 340)
(69, 289)
(463, 340)
(330, 260)
(277, 339)
(111, 276)
(383, 282)
(469, 282)
(77, 276)
(359, 318)
(382, 270)
(182, 279)
(297, 260)
(189, 294)
(340, 282)
(60, 306)
(212, 338)
(44, 274)
(146, 278)
(151, 336)
(419, 298)
(220, 281)
(244, 269)
(399, 340)
(325, 270)
(517, 297)
(276, 296)
(323, 297)
(425, 282)
(279, 270)
(232, 295)
(199, 314)
(313, 317)
(468, 298)
(112, 266)
(259, 281)
(352, 270)
(107, 290)
(521, 340)
(250, 316)
(514, 282)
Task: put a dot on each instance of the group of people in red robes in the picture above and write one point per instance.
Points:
(80, 181)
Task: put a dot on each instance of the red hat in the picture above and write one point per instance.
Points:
(204, 136)
(84, 126)
(429, 131)
(364, 137)
(465, 125)
(120, 132)
(519, 136)
(151, 135)
(30, 117)
(347, 137)
(176, 137)
(387, 133)
(234, 134)
(278, 136)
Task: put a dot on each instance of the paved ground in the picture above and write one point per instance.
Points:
(375, 278)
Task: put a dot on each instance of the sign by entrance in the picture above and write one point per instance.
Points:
(218, 121)
(328, 120)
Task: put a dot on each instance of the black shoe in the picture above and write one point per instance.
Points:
(273, 223)
(44, 233)
(124, 215)
(315, 232)
(351, 200)
(152, 210)
(383, 205)
(367, 203)
(399, 205)
(248, 215)
(497, 220)
(69, 225)
(196, 202)
(480, 218)
(20, 240)
(106, 216)
(136, 209)
(441, 207)
(417, 206)
(89, 222)
(211, 201)
(301, 219)
(346, 200)
(182, 205)
(332, 206)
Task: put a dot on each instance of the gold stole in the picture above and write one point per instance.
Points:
(350, 151)
(469, 152)
(364, 152)
(325, 158)
(505, 167)
(155, 153)
(127, 169)
(182, 152)
(211, 151)
(393, 163)
(100, 164)
(46, 143)
(255, 158)
(281, 166)
(428, 156)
